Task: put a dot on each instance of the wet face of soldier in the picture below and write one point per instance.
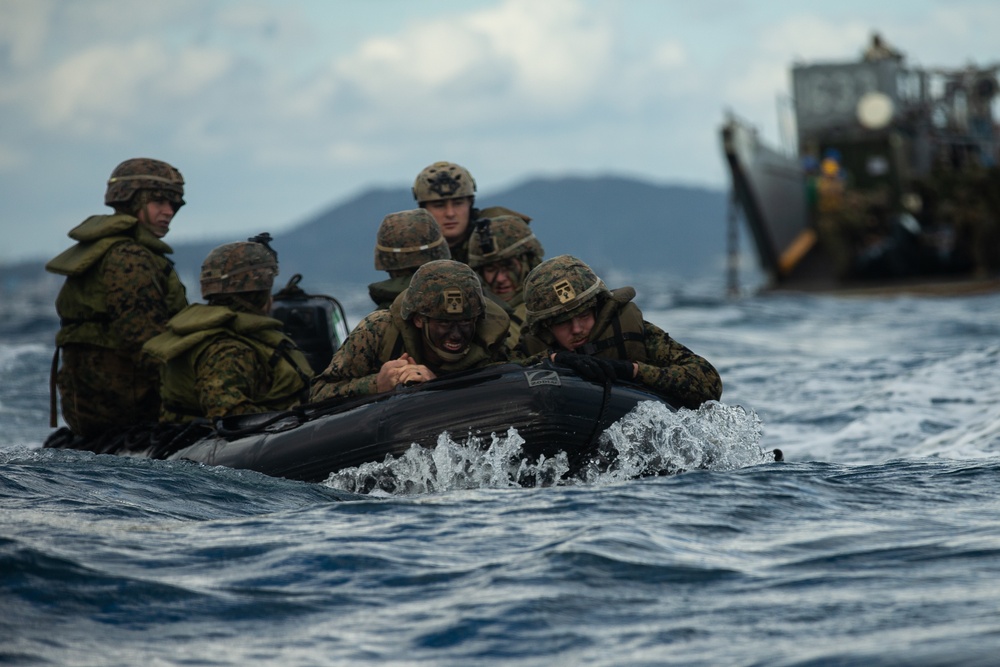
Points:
(573, 333)
(156, 215)
(503, 277)
(452, 216)
(452, 336)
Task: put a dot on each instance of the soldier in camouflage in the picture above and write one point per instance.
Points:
(503, 250)
(227, 357)
(574, 320)
(120, 290)
(448, 192)
(405, 241)
(440, 324)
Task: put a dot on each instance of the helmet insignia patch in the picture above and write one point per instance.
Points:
(564, 290)
(454, 304)
(444, 184)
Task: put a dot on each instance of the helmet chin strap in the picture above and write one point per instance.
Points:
(445, 356)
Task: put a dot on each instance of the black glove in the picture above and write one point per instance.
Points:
(621, 369)
(585, 366)
(597, 369)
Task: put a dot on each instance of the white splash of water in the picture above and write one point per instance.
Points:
(451, 465)
(653, 440)
(650, 440)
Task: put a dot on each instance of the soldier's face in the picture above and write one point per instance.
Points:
(156, 216)
(453, 336)
(573, 333)
(452, 216)
(503, 277)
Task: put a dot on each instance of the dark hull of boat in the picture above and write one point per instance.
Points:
(769, 189)
(552, 410)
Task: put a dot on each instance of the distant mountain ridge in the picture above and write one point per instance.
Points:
(609, 222)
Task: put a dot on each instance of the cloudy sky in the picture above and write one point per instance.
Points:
(275, 110)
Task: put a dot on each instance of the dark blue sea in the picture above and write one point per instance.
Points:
(876, 542)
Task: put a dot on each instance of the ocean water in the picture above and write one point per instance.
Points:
(876, 542)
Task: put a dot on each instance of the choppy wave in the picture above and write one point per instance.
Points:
(874, 543)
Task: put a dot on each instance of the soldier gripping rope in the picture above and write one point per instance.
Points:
(574, 320)
(440, 324)
(120, 290)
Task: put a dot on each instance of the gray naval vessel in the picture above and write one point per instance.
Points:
(894, 184)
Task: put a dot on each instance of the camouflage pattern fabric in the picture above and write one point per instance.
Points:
(354, 369)
(443, 180)
(558, 290)
(408, 239)
(517, 317)
(671, 369)
(676, 372)
(138, 174)
(103, 388)
(228, 378)
(238, 267)
(495, 211)
(503, 237)
(444, 289)
(134, 296)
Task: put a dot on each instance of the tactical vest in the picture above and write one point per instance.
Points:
(403, 336)
(384, 292)
(618, 333)
(197, 327)
(82, 301)
(517, 317)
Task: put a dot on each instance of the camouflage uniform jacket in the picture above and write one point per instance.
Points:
(220, 362)
(665, 366)
(119, 292)
(384, 335)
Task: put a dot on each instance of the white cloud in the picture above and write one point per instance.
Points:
(539, 58)
(269, 106)
(23, 29)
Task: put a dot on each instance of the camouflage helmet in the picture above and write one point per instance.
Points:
(502, 237)
(443, 180)
(407, 239)
(143, 173)
(444, 290)
(559, 289)
(248, 266)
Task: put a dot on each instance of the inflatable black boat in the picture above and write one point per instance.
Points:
(552, 409)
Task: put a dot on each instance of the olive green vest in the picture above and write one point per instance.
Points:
(618, 333)
(385, 291)
(197, 326)
(403, 336)
(82, 301)
(517, 318)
